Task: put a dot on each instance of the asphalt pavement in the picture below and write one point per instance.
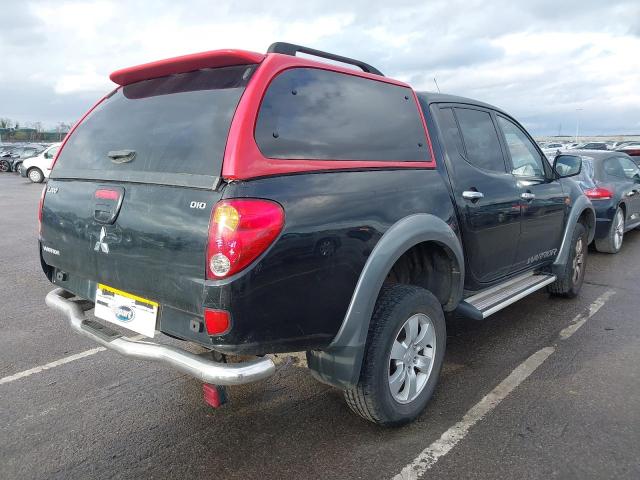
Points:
(99, 415)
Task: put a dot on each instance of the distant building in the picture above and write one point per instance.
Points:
(5, 133)
(53, 136)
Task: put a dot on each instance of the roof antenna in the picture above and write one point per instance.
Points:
(436, 82)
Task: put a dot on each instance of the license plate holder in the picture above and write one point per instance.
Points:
(126, 310)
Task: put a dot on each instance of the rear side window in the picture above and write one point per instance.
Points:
(630, 168)
(172, 129)
(318, 114)
(28, 152)
(480, 139)
(613, 168)
(621, 167)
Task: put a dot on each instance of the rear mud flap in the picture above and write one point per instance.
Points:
(214, 395)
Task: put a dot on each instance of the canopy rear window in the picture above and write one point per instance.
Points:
(170, 130)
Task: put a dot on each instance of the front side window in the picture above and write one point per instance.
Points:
(309, 113)
(525, 158)
(51, 153)
(450, 131)
(480, 139)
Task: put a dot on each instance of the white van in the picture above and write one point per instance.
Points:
(38, 168)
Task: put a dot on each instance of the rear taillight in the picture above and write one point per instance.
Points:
(633, 152)
(240, 230)
(599, 193)
(40, 206)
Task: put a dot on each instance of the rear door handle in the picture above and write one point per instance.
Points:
(527, 196)
(472, 195)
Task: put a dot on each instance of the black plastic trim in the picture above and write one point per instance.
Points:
(580, 205)
(339, 364)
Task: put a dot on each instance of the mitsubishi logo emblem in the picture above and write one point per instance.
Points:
(101, 245)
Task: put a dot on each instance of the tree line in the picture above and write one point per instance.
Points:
(14, 131)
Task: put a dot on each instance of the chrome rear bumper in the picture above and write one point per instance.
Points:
(206, 370)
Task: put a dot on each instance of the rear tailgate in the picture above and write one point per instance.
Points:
(130, 197)
(155, 248)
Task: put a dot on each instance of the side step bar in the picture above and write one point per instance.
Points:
(492, 300)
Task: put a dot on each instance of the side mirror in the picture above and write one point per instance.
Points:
(47, 155)
(567, 165)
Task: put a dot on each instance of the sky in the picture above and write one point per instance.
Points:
(552, 64)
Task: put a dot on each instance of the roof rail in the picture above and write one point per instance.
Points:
(292, 49)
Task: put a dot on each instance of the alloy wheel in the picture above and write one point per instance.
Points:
(578, 260)
(411, 358)
(618, 233)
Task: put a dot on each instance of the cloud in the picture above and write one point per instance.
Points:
(85, 79)
(540, 60)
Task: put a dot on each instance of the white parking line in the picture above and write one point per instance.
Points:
(580, 320)
(57, 363)
(449, 439)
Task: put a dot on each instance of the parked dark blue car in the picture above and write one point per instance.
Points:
(612, 181)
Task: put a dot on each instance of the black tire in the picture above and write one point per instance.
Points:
(612, 243)
(568, 284)
(4, 166)
(16, 168)
(35, 175)
(372, 398)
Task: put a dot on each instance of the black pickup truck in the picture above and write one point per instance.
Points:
(263, 203)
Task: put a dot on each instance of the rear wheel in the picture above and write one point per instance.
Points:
(403, 356)
(4, 166)
(35, 175)
(569, 282)
(612, 243)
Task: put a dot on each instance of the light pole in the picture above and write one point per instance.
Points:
(578, 110)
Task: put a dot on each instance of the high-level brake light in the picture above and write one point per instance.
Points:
(106, 194)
